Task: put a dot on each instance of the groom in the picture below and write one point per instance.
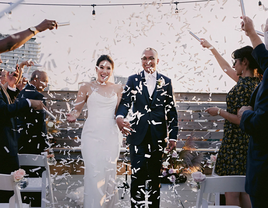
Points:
(154, 114)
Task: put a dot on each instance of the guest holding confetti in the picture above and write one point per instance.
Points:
(9, 110)
(100, 139)
(232, 155)
(254, 122)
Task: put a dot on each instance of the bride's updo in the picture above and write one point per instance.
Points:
(105, 58)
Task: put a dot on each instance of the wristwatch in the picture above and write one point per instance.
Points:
(219, 111)
(33, 30)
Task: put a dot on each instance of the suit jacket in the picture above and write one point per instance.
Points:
(32, 132)
(8, 139)
(255, 123)
(159, 111)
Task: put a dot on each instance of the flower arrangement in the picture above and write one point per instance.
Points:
(197, 178)
(53, 126)
(18, 176)
(160, 82)
(175, 166)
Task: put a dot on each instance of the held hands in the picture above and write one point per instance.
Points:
(47, 24)
(123, 126)
(243, 109)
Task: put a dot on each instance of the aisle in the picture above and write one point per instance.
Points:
(64, 184)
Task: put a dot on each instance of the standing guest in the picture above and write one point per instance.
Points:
(254, 122)
(13, 80)
(8, 141)
(154, 114)
(232, 155)
(32, 134)
(3, 75)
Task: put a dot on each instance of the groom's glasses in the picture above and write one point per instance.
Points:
(151, 58)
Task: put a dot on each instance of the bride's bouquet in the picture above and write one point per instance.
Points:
(176, 165)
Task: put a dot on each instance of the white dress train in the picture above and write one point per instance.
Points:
(100, 144)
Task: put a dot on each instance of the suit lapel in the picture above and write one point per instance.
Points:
(145, 91)
(6, 94)
(155, 93)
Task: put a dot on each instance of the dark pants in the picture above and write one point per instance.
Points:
(258, 201)
(145, 164)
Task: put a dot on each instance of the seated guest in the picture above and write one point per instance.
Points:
(254, 122)
(9, 110)
(32, 137)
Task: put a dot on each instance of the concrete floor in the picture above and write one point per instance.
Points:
(64, 184)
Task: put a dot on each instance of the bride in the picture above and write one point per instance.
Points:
(100, 139)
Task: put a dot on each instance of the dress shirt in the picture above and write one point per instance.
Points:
(266, 39)
(151, 82)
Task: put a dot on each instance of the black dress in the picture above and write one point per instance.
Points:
(232, 155)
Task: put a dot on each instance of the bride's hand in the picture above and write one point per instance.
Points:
(71, 117)
(123, 126)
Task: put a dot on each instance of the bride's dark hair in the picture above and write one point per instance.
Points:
(105, 58)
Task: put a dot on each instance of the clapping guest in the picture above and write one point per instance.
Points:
(8, 142)
(232, 155)
(14, 80)
(254, 122)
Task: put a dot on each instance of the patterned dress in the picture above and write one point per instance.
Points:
(232, 155)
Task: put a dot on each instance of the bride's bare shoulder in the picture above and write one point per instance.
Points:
(118, 87)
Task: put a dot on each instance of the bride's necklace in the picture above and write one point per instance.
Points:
(101, 83)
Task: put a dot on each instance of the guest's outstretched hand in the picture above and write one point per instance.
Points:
(37, 104)
(205, 43)
(71, 117)
(47, 24)
(247, 26)
(171, 145)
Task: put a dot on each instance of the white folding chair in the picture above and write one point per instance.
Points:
(38, 184)
(219, 184)
(7, 183)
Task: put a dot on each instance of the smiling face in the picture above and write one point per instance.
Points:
(149, 60)
(104, 71)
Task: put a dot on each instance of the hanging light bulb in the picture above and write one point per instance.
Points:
(93, 11)
(260, 3)
(176, 10)
(260, 6)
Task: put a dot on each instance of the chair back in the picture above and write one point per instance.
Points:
(219, 184)
(7, 183)
(46, 181)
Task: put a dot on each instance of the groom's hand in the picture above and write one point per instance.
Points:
(172, 145)
(123, 126)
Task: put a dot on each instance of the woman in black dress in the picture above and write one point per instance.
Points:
(232, 155)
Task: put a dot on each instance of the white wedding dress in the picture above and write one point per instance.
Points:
(100, 144)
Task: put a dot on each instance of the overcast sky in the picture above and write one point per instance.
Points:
(70, 53)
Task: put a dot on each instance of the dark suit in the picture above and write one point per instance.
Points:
(255, 123)
(153, 117)
(32, 132)
(8, 141)
(32, 136)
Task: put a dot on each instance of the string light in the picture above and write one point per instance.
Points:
(176, 10)
(260, 3)
(93, 11)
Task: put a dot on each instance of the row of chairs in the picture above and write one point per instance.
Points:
(41, 184)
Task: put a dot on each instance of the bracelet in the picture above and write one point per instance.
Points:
(219, 111)
(211, 47)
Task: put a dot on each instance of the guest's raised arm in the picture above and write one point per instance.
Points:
(222, 62)
(16, 40)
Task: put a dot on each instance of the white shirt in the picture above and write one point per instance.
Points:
(266, 39)
(151, 82)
